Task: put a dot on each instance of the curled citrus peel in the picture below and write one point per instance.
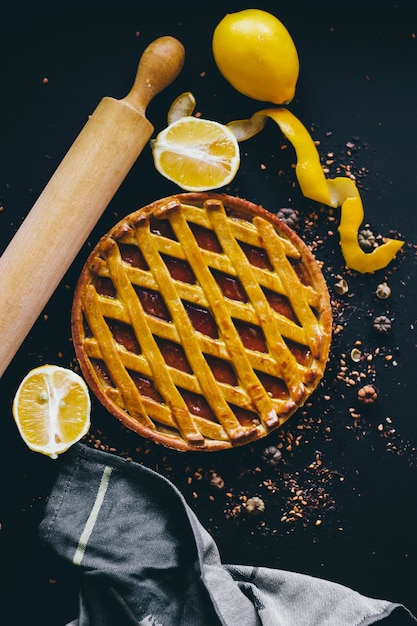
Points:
(339, 191)
(182, 106)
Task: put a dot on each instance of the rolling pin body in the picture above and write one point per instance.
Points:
(81, 188)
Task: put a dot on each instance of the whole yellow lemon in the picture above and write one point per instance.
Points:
(256, 54)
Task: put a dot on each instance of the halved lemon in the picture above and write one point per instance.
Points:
(196, 154)
(52, 409)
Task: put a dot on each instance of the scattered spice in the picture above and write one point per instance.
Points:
(309, 496)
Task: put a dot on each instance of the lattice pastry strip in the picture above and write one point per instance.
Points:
(238, 265)
(118, 359)
(138, 363)
(122, 344)
(196, 295)
(187, 333)
(156, 361)
(157, 367)
(159, 411)
(108, 347)
(237, 351)
(238, 310)
(287, 364)
(213, 347)
(245, 232)
(300, 304)
(220, 262)
(274, 282)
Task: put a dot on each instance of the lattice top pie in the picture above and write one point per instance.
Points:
(202, 321)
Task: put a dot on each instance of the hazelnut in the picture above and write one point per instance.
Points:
(366, 239)
(255, 506)
(288, 216)
(341, 287)
(271, 455)
(382, 324)
(367, 394)
(383, 291)
(217, 481)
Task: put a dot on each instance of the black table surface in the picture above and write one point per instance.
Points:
(350, 469)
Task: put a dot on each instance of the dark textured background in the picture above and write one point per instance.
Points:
(357, 474)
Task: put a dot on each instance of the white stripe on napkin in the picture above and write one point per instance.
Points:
(85, 535)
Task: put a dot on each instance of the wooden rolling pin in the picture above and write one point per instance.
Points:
(65, 213)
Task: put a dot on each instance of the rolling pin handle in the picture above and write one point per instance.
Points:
(159, 65)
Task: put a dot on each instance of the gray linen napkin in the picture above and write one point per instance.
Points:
(145, 559)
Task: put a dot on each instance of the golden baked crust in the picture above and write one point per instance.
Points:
(202, 321)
